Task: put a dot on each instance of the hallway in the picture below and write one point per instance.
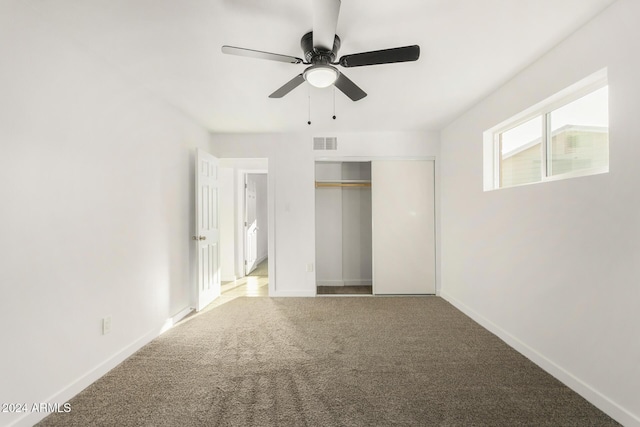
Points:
(253, 285)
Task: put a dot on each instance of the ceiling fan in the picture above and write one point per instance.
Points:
(320, 47)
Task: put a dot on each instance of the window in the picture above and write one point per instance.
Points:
(563, 137)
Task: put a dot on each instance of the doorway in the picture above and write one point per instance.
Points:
(246, 219)
(255, 224)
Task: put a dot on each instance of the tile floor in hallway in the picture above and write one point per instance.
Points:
(248, 286)
(255, 284)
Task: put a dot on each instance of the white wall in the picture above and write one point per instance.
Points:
(328, 222)
(553, 268)
(328, 214)
(291, 178)
(95, 217)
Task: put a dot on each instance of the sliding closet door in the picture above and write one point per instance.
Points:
(402, 200)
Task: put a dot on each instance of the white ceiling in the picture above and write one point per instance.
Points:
(171, 48)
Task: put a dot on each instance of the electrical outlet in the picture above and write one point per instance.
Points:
(106, 325)
(310, 267)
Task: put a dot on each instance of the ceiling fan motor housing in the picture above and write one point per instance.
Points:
(318, 56)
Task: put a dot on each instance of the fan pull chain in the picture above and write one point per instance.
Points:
(334, 103)
(309, 98)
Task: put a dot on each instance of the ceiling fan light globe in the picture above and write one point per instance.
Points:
(321, 76)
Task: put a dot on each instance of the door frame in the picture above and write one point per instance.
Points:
(241, 165)
(245, 214)
(242, 215)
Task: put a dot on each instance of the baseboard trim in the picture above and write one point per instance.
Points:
(170, 323)
(329, 283)
(99, 371)
(348, 282)
(599, 400)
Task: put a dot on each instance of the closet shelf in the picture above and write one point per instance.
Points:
(343, 183)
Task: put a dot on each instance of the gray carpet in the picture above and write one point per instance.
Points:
(368, 361)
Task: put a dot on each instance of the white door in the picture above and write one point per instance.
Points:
(250, 225)
(403, 214)
(207, 234)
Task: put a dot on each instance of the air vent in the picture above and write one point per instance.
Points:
(322, 143)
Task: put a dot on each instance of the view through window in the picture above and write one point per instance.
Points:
(566, 139)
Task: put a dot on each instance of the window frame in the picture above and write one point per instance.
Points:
(544, 109)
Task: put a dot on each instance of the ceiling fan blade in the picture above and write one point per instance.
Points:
(385, 56)
(288, 87)
(240, 51)
(349, 88)
(325, 23)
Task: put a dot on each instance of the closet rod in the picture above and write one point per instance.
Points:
(342, 184)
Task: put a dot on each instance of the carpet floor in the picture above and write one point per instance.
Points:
(344, 290)
(361, 361)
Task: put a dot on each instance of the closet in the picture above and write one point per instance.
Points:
(375, 227)
(343, 227)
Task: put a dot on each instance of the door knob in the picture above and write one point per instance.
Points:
(199, 238)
